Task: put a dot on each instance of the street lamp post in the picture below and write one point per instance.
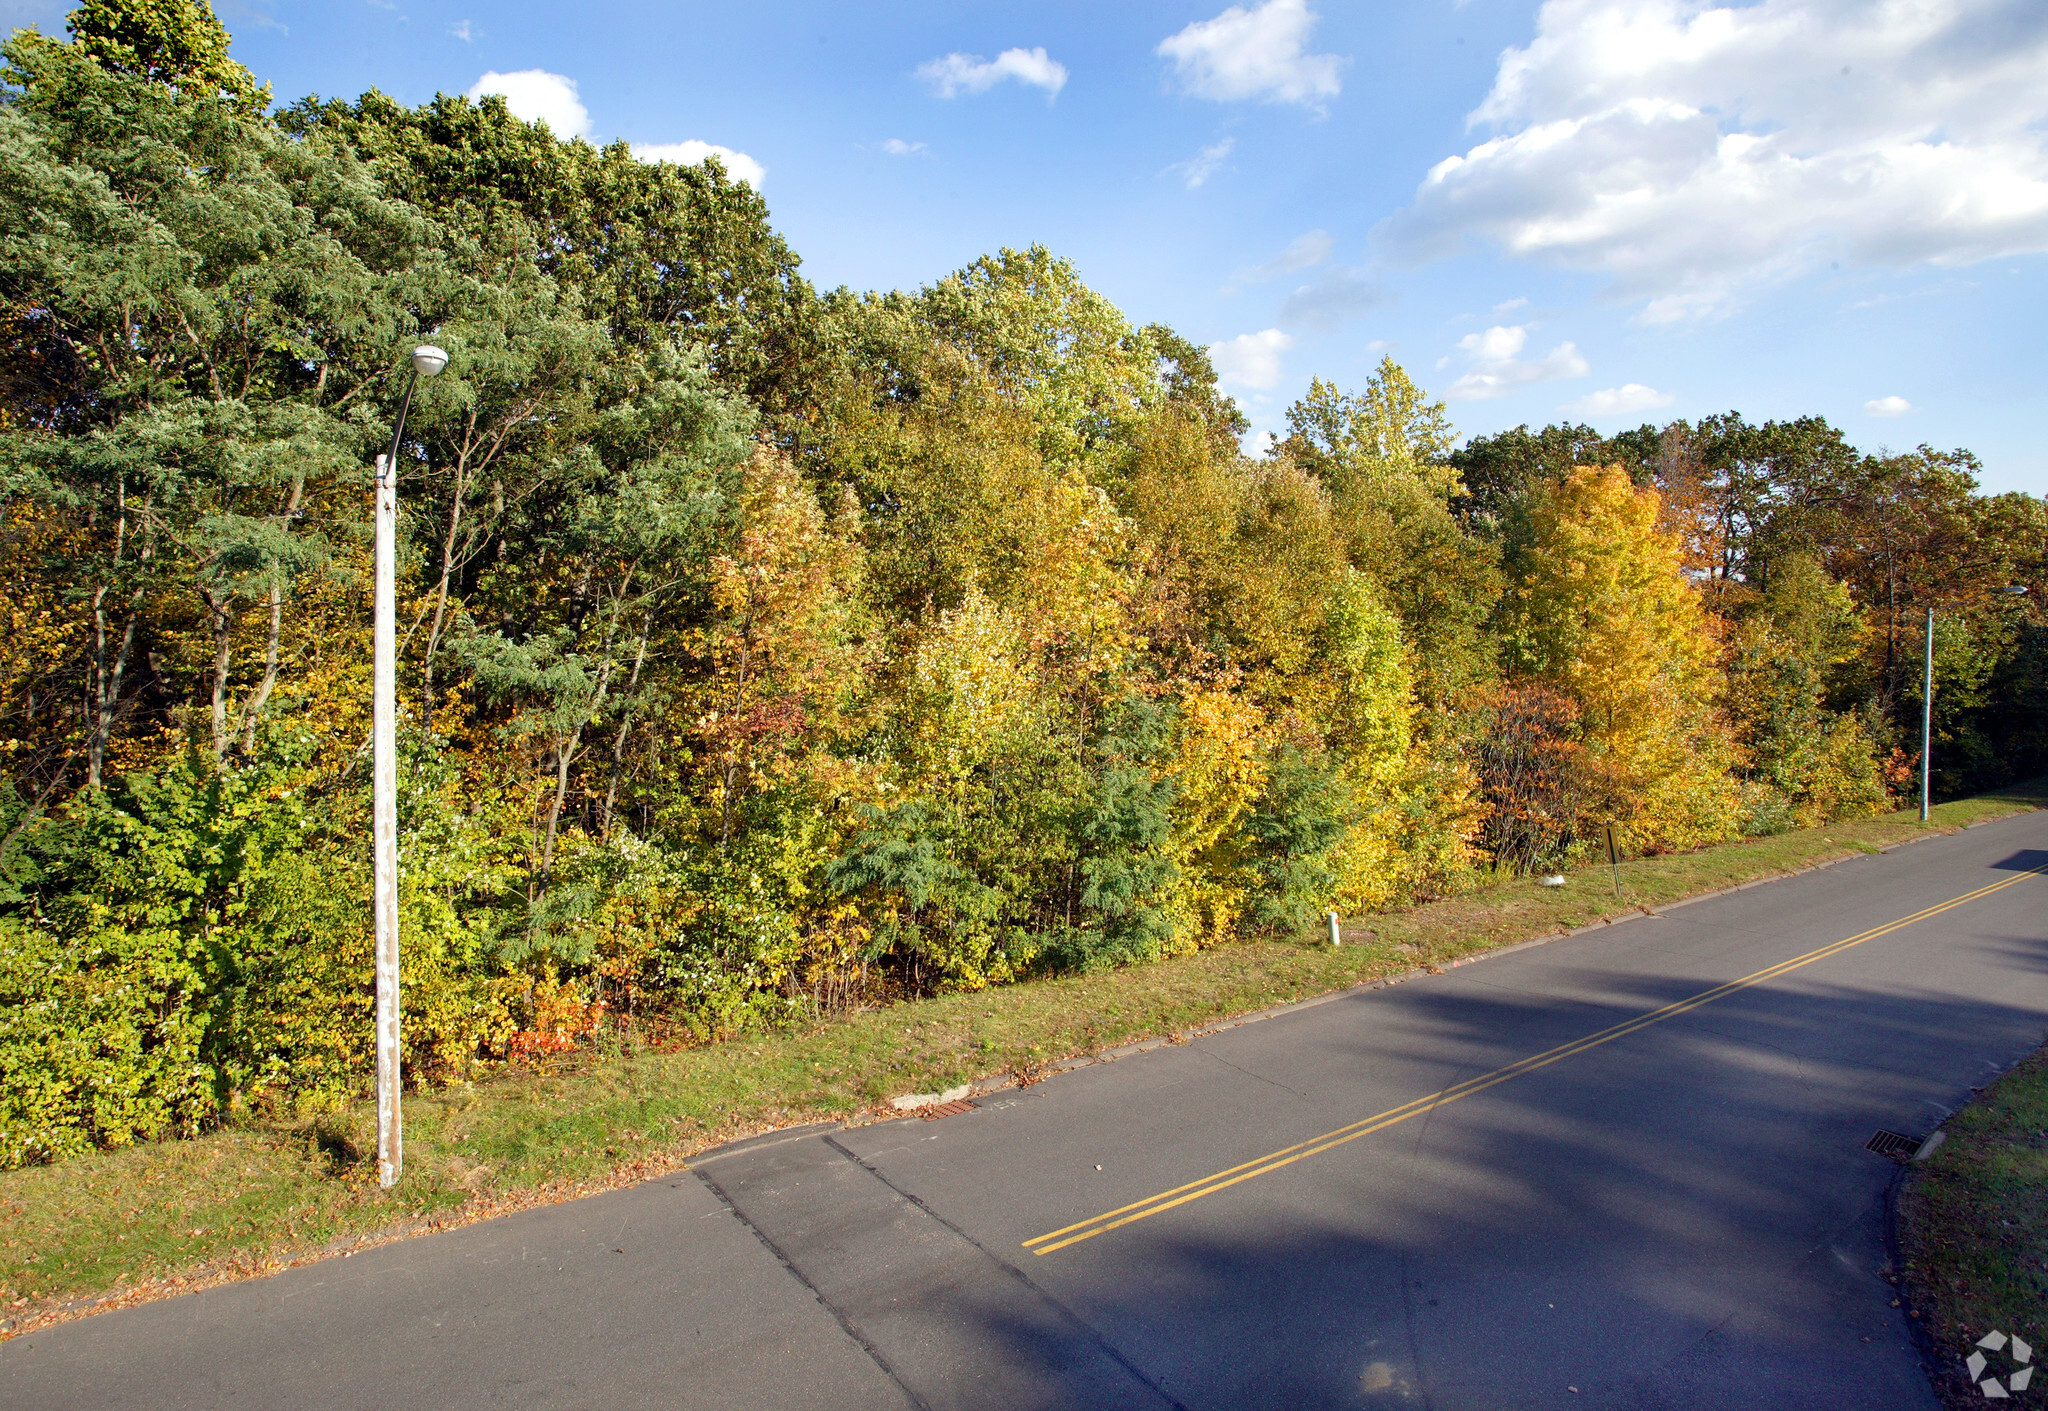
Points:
(427, 360)
(1927, 705)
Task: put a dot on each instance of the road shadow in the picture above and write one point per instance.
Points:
(1686, 1217)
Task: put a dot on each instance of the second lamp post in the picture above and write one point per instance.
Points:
(1927, 707)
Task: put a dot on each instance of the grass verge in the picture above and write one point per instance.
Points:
(119, 1227)
(1973, 1230)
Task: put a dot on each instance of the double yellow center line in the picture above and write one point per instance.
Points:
(1222, 1180)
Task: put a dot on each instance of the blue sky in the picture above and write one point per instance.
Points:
(1600, 210)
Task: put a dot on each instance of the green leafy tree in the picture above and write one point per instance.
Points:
(1293, 830)
(176, 42)
(1504, 474)
(1383, 457)
(763, 652)
(1188, 377)
(191, 941)
(1128, 871)
(1061, 352)
(1786, 656)
(234, 303)
(655, 251)
(1390, 429)
(623, 533)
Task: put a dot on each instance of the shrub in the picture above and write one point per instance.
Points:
(195, 940)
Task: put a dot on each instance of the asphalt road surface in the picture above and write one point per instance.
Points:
(1599, 1172)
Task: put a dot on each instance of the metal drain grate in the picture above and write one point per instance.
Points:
(1893, 1144)
(945, 1109)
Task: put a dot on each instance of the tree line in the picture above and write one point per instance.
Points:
(768, 651)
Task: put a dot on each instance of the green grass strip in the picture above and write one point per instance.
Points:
(1973, 1227)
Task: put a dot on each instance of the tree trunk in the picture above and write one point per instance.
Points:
(441, 593)
(261, 696)
(611, 793)
(108, 685)
(223, 645)
(565, 755)
(106, 682)
(739, 696)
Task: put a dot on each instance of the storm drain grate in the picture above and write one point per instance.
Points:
(1892, 1144)
(945, 1109)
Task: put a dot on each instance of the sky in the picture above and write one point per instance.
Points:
(1603, 211)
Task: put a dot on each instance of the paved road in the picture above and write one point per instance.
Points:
(1677, 1213)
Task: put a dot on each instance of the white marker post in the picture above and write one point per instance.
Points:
(1335, 939)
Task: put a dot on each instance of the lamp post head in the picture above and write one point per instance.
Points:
(428, 360)
(2015, 589)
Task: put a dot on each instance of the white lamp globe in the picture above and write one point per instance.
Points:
(428, 360)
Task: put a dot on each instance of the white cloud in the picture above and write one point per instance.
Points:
(970, 73)
(1509, 306)
(1496, 343)
(1251, 359)
(1302, 252)
(535, 95)
(897, 147)
(462, 30)
(1498, 368)
(1322, 303)
(738, 165)
(1691, 151)
(1327, 302)
(253, 14)
(1618, 401)
(1254, 54)
(1204, 164)
(1887, 406)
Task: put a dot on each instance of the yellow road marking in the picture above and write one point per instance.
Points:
(1222, 1180)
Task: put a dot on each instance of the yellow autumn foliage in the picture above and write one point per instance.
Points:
(978, 691)
(1607, 616)
(1218, 773)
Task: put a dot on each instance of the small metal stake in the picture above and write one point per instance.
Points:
(1334, 939)
(1614, 858)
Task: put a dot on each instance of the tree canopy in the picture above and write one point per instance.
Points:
(766, 651)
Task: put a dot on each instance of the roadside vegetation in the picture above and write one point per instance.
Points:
(789, 674)
(1973, 1228)
(113, 1227)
